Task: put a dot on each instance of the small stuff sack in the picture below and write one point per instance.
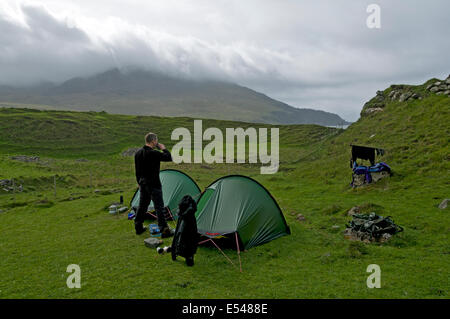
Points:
(154, 230)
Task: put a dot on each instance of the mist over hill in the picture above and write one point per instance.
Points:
(138, 92)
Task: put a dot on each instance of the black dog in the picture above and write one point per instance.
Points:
(185, 240)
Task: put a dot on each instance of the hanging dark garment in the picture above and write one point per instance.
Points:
(186, 238)
(366, 153)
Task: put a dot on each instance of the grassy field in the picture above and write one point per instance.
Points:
(44, 229)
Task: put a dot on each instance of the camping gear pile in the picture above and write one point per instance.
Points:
(363, 175)
(371, 227)
(117, 208)
(234, 211)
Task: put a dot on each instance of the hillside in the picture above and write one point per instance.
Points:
(46, 228)
(148, 93)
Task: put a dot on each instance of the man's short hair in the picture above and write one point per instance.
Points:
(150, 137)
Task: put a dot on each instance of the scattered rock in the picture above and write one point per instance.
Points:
(373, 110)
(385, 237)
(152, 242)
(300, 218)
(434, 89)
(81, 160)
(440, 87)
(7, 185)
(359, 180)
(405, 96)
(130, 152)
(376, 176)
(444, 204)
(5, 182)
(25, 159)
(354, 210)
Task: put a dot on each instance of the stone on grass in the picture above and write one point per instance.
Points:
(353, 211)
(444, 204)
(300, 218)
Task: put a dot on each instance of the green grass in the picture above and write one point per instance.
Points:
(41, 234)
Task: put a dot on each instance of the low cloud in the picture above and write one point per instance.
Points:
(315, 54)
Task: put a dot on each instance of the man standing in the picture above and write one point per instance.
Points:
(147, 162)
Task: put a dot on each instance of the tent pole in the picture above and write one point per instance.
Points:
(204, 241)
(222, 252)
(239, 252)
(170, 213)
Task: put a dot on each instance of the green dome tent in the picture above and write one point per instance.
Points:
(175, 185)
(240, 205)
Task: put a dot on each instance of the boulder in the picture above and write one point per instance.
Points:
(376, 176)
(25, 159)
(152, 242)
(373, 110)
(353, 211)
(444, 204)
(434, 89)
(300, 218)
(130, 152)
(404, 97)
(359, 180)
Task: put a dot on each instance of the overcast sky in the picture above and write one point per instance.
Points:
(312, 54)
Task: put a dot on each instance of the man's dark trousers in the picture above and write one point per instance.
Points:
(148, 193)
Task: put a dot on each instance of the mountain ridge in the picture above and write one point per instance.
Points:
(137, 92)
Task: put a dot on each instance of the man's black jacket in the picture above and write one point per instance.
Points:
(147, 162)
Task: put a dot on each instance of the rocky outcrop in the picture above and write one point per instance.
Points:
(8, 185)
(440, 87)
(400, 93)
(405, 93)
(130, 152)
(25, 159)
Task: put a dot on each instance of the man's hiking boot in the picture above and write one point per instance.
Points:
(167, 232)
(140, 229)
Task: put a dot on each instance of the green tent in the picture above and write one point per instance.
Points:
(175, 185)
(238, 205)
